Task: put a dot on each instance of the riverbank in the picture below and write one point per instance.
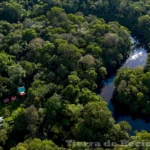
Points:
(137, 58)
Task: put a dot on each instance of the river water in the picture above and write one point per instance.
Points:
(137, 58)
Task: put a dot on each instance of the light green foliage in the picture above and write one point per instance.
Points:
(70, 92)
(28, 67)
(3, 136)
(5, 61)
(36, 144)
(5, 112)
(59, 51)
(86, 96)
(73, 79)
(29, 34)
(16, 72)
(40, 89)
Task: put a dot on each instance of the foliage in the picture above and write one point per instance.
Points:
(132, 90)
(60, 52)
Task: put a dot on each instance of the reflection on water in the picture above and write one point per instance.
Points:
(136, 123)
(108, 89)
(137, 58)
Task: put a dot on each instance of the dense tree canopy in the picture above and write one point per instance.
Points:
(132, 88)
(60, 51)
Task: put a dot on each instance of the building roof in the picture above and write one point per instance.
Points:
(6, 100)
(21, 89)
(13, 98)
(22, 93)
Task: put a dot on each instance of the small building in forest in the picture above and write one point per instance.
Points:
(21, 90)
(6, 100)
(13, 98)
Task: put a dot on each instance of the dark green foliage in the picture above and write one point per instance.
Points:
(132, 13)
(60, 52)
(132, 88)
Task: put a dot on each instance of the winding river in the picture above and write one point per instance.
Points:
(137, 58)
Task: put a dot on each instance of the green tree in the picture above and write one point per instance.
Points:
(12, 11)
(3, 136)
(53, 105)
(31, 118)
(143, 26)
(5, 61)
(97, 120)
(103, 72)
(36, 144)
(16, 72)
(29, 34)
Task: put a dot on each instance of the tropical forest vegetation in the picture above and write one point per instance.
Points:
(59, 52)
